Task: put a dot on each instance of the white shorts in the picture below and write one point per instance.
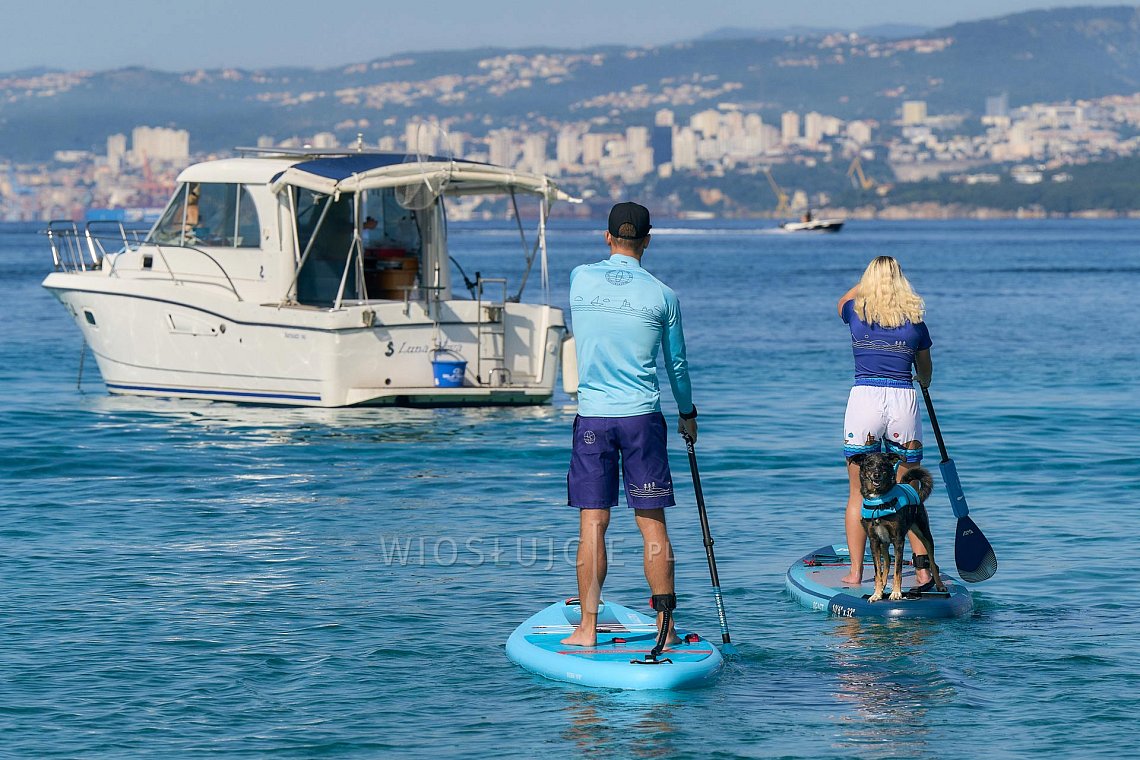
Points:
(880, 419)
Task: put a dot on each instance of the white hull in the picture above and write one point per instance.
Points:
(159, 340)
(815, 225)
(311, 280)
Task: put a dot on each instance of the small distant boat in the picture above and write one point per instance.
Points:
(813, 225)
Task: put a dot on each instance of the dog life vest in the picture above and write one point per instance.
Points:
(902, 495)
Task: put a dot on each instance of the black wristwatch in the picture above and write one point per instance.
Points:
(691, 415)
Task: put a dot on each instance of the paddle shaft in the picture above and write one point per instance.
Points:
(934, 423)
(708, 539)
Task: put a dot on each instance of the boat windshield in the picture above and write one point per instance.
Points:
(216, 214)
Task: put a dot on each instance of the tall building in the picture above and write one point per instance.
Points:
(593, 148)
(568, 149)
(913, 111)
(706, 122)
(159, 144)
(534, 153)
(116, 151)
(789, 127)
(684, 149)
(636, 138)
(859, 132)
(813, 128)
(501, 147)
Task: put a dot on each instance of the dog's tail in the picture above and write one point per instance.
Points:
(922, 481)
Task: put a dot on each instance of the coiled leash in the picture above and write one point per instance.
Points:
(665, 604)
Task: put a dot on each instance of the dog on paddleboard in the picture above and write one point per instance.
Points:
(890, 511)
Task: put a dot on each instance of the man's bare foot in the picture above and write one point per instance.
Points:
(852, 578)
(922, 577)
(582, 638)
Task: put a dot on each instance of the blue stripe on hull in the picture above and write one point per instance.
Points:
(198, 392)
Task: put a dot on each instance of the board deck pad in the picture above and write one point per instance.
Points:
(814, 581)
(623, 635)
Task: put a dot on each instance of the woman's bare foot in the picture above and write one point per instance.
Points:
(852, 578)
(582, 637)
(922, 577)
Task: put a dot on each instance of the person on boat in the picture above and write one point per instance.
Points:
(888, 338)
(623, 317)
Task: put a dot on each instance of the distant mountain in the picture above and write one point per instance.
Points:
(1038, 56)
(881, 31)
(743, 33)
(893, 31)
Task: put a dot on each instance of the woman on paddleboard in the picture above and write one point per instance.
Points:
(888, 339)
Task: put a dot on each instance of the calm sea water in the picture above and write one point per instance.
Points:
(194, 579)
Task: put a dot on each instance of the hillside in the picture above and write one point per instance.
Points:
(1039, 56)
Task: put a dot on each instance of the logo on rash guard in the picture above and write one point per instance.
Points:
(619, 277)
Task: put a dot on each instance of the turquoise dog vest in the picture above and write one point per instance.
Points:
(902, 495)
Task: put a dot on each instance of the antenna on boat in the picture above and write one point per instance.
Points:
(426, 183)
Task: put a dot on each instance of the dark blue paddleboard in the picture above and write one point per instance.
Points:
(814, 581)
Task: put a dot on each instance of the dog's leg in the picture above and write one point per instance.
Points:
(880, 559)
(896, 586)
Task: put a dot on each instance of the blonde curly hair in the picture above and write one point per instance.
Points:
(886, 297)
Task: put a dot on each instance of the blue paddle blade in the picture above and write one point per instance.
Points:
(727, 648)
(973, 554)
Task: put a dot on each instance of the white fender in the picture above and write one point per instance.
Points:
(569, 366)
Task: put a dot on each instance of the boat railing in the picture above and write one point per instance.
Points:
(75, 250)
(89, 249)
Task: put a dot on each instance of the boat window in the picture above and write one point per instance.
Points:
(216, 214)
(389, 226)
(392, 245)
(331, 232)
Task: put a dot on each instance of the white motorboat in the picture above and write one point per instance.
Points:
(813, 225)
(315, 280)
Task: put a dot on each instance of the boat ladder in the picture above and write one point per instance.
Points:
(491, 300)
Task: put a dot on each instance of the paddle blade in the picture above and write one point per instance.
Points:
(973, 554)
(727, 648)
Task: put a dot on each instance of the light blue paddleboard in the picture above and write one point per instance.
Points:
(814, 581)
(623, 635)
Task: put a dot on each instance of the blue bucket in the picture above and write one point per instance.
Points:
(447, 369)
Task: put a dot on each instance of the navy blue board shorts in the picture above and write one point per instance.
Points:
(639, 443)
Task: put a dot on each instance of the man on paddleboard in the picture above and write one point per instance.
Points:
(622, 317)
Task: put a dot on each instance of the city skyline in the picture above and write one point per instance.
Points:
(260, 34)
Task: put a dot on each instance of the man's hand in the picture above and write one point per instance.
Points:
(688, 429)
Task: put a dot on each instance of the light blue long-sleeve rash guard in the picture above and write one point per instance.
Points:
(622, 315)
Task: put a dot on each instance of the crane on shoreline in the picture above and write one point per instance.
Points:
(782, 205)
(861, 181)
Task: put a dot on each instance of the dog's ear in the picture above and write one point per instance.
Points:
(894, 458)
(857, 459)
